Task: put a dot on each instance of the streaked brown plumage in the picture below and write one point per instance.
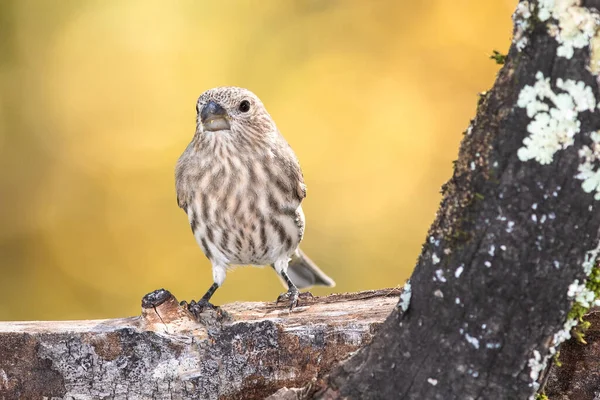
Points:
(241, 186)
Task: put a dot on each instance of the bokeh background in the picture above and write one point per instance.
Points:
(97, 102)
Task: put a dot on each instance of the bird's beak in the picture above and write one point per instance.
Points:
(214, 117)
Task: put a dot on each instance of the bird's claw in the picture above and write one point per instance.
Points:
(196, 308)
(291, 296)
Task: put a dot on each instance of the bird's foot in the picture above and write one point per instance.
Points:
(196, 308)
(293, 295)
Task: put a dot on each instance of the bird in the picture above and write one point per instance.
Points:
(241, 186)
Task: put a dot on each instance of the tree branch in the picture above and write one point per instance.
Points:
(244, 350)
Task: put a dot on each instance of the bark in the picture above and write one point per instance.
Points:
(578, 378)
(490, 288)
(241, 351)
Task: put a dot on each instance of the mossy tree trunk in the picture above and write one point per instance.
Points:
(516, 234)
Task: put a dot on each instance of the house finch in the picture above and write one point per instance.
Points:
(241, 186)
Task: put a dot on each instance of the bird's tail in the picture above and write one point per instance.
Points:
(304, 273)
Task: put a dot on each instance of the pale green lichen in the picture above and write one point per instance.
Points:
(554, 124)
(574, 28)
(554, 116)
(405, 297)
(594, 65)
(588, 170)
(537, 364)
(521, 18)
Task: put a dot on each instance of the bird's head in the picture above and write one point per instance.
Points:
(232, 111)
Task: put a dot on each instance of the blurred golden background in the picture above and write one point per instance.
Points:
(98, 101)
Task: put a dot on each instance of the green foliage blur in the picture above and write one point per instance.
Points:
(97, 102)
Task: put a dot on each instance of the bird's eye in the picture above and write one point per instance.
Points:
(244, 106)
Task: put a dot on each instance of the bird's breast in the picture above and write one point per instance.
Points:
(242, 215)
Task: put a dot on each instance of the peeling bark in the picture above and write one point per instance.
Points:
(243, 350)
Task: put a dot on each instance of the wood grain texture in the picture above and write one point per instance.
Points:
(245, 350)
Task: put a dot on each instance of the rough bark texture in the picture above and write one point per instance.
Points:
(490, 286)
(244, 351)
(578, 378)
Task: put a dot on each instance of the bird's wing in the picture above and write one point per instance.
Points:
(291, 168)
(181, 187)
